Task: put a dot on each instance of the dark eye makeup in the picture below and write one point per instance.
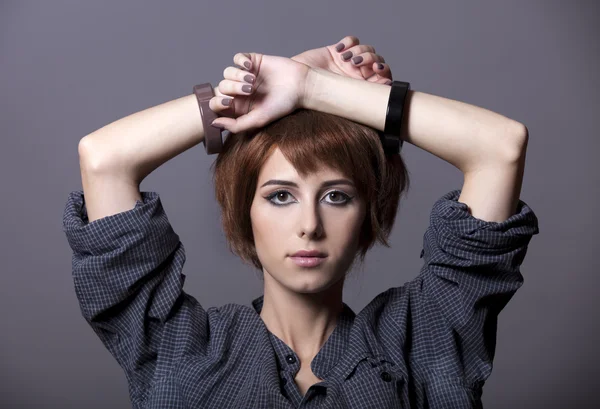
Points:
(346, 199)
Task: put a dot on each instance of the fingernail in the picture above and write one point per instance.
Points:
(357, 60)
(339, 47)
(388, 82)
(247, 64)
(247, 88)
(380, 66)
(218, 126)
(226, 101)
(346, 56)
(249, 78)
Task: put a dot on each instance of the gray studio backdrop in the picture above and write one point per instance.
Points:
(68, 68)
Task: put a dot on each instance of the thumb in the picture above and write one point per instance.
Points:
(236, 125)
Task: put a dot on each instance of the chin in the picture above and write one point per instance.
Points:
(310, 281)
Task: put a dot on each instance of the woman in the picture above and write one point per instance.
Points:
(303, 174)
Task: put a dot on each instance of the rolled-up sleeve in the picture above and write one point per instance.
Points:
(471, 271)
(127, 273)
(471, 263)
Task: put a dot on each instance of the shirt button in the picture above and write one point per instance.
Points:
(386, 376)
(283, 381)
(290, 359)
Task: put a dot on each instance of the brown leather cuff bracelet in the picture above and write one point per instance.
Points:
(213, 141)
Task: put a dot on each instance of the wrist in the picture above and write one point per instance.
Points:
(308, 98)
(357, 100)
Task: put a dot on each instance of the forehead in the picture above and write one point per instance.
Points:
(277, 166)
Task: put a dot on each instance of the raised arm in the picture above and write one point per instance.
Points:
(117, 157)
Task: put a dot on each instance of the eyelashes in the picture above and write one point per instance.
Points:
(346, 199)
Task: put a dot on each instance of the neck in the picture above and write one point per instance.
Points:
(303, 321)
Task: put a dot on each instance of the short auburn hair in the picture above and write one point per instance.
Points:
(308, 139)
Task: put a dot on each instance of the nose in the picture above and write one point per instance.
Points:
(310, 223)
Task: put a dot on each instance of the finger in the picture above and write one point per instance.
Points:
(364, 62)
(345, 43)
(354, 51)
(369, 64)
(222, 104)
(383, 75)
(365, 59)
(230, 87)
(243, 60)
(237, 74)
(251, 120)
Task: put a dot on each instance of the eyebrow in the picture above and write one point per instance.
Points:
(324, 184)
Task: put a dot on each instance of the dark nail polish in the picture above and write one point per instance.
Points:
(249, 78)
(346, 56)
(247, 88)
(227, 101)
(380, 66)
(357, 60)
(339, 47)
(247, 64)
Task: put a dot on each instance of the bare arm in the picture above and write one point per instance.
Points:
(139, 143)
(117, 157)
(487, 147)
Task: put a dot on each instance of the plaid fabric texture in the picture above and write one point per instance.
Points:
(428, 343)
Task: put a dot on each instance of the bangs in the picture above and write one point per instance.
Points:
(311, 140)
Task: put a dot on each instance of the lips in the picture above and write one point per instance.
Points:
(308, 261)
(309, 253)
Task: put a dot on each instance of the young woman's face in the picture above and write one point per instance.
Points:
(312, 214)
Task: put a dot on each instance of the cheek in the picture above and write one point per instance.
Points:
(345, 231)
(346, 222)
(348, 229)
(268, 229)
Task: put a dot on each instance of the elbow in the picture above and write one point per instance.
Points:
(88, 158)
(516, 142)
(91, 157)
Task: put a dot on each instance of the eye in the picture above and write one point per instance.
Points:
(278, 195)
(337, 194)
(338, 198)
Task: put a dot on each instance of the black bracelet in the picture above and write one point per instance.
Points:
(390, 137)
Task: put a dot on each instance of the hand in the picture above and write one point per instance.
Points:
(277, 88)
(330, 59)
